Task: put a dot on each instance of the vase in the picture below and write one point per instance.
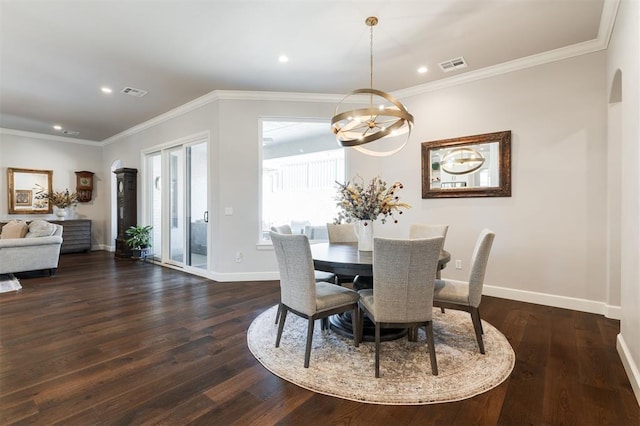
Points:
(365, 235)
(61, 213)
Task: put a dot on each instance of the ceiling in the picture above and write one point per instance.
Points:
(56, 55)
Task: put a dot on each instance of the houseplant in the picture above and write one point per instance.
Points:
(139, 240)
(365, 203)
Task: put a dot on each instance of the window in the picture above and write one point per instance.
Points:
(301, 163)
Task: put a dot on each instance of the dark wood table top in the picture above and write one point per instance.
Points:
(346, 259)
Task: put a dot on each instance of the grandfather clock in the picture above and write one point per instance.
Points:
(126, 189)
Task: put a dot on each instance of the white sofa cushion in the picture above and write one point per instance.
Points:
(40, 228)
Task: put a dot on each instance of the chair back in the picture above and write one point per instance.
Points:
(342, 233)
(479, 260)
(282, 229)
(297, 279)
(404, 272)
(420, 230)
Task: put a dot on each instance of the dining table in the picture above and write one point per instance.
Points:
(346, 259)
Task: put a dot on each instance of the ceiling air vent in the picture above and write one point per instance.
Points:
(70, 132)
(138, 93)
(453, 64)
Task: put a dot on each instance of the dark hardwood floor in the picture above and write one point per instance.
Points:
(110, 341)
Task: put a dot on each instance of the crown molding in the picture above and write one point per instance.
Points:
(607, 20)
(217, 95)
(45, 136)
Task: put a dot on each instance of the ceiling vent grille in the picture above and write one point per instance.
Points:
(453, 64)
(132, 91)
(70, 132)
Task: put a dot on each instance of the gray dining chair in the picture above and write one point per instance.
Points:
(421, 230)
(404, 272)
(342, 233)
(466, 296)
(300, 294)
(319, 275)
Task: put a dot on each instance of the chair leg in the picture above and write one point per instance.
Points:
(307, 351)
(377, 350)
(477, 326)
(283, 316)
(432, 348)
(278, 312)
(360, 324)
(441, 309)
(355, 327)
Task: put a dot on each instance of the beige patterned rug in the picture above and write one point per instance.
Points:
(339, 369)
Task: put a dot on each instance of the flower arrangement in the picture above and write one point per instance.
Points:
(61, 200)
(360, 202)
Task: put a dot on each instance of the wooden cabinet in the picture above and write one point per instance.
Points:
(126, 207)
(76, 235)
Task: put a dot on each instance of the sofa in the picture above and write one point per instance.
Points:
(36, 249)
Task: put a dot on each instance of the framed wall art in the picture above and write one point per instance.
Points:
(24, 186)
(469, 166)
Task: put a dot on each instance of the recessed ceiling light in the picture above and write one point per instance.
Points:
(57, 127)
(106, 90)
(283, 59)
(422, 70)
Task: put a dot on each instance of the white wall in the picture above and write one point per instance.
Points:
(34, 151)
(623, 55)
(550, 235)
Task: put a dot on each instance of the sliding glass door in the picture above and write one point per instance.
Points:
(197, 213)
(178, 200)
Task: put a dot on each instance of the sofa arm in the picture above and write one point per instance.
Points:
(26, 242)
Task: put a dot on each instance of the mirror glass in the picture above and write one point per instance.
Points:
(23, 187)
(470, 166)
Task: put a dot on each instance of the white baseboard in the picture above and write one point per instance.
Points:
(629, 365)
(245, 276)
(554, 300)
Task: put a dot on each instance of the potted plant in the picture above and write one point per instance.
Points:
(139, 240)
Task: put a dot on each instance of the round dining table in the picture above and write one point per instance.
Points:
(346, 259)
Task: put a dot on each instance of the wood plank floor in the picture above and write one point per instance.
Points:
(110, 341)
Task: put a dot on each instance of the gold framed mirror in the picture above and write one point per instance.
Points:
(23, 187)
(469, 166)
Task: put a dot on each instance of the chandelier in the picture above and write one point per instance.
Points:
(380, 116)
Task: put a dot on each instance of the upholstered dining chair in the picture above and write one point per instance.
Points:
(404, 272)
(421, 230)
(342, 233)
(320, 275)
(466, 296)
(303, 296)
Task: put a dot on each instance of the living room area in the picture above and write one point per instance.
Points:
(118, 341)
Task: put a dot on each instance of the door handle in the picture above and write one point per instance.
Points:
(206, 216)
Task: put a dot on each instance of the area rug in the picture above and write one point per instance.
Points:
(9, 283)
(339, 369)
